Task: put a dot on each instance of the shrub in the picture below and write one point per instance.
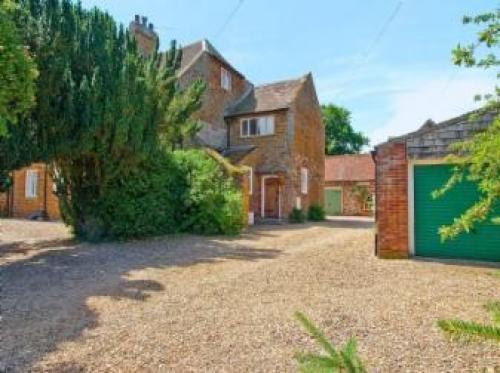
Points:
(316, 212)
(213, 204)
(344, 360)
(297, 216)
(181, 191)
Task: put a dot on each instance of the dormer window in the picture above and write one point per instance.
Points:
(260, 126)
(225, 79)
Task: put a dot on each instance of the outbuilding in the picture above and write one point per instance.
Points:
(349, 185)
(408, 169)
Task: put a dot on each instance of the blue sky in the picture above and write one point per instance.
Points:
(387, 61)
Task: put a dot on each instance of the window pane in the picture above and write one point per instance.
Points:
(244, 128)
(253, 127)
(270, 125)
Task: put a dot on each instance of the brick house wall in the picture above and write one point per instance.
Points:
(308, 135)
(351, 206)
(21, 206)
(215, 99)
(271, 156)
(294, 145)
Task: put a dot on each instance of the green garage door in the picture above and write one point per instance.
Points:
(483, 243)
(333, 201)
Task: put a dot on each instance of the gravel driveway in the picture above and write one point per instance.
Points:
(225, 304)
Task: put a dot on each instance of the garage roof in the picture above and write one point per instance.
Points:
(356, 167)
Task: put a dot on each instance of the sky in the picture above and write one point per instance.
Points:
(387, 61)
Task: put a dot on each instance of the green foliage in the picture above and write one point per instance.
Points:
(101, 107)
(183, 191)
(478, 159)
(17, 70)
(340, 137)
(472, 330)
(343, 360)
(212, 204)
(297, 216)
(362, 195)
(316, 212)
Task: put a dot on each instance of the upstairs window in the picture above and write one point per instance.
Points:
(31, 184)
(304, 180)
(225, 79)
(261, 126)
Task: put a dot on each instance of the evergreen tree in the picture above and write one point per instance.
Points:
(100, 105)
(17, 70)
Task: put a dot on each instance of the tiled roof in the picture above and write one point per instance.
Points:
(268, 97)
(357, 167)
(192, 51)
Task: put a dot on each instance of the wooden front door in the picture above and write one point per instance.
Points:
(272, 192)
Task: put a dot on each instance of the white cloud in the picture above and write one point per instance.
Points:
(437, 98)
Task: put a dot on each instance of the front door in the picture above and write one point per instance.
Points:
(271, 198)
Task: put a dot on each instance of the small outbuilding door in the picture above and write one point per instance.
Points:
(482, 243)
(333, 201)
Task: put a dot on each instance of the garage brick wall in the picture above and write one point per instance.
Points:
(392, 200)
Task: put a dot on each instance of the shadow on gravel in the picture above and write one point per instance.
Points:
(21, 247)
(43, 296)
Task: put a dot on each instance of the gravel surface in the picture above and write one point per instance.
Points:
(189, 304)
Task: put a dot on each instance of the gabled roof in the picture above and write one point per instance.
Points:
(268, 97)
(356, 167)
(431, 126)
(193, 51)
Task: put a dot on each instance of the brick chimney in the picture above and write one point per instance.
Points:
(145, 35)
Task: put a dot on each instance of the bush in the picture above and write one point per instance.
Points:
(182, 191)
(297, 216)
(316, 212)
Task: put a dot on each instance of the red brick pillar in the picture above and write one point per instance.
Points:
(392, 200)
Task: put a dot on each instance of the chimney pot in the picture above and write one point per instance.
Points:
(144, 21)
(137, 18)
(151, 27)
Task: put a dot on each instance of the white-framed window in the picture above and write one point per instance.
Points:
(225, 79)
(31, 184)
(260, 126)
(250, 180)
(304, 180)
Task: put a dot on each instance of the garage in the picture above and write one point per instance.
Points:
(408, 168)
(482, 243)
(333, 201)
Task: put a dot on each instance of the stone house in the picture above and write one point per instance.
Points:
(408, 169)
(275, 130)
(349, 185)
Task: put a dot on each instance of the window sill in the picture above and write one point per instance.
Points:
(256, 136)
